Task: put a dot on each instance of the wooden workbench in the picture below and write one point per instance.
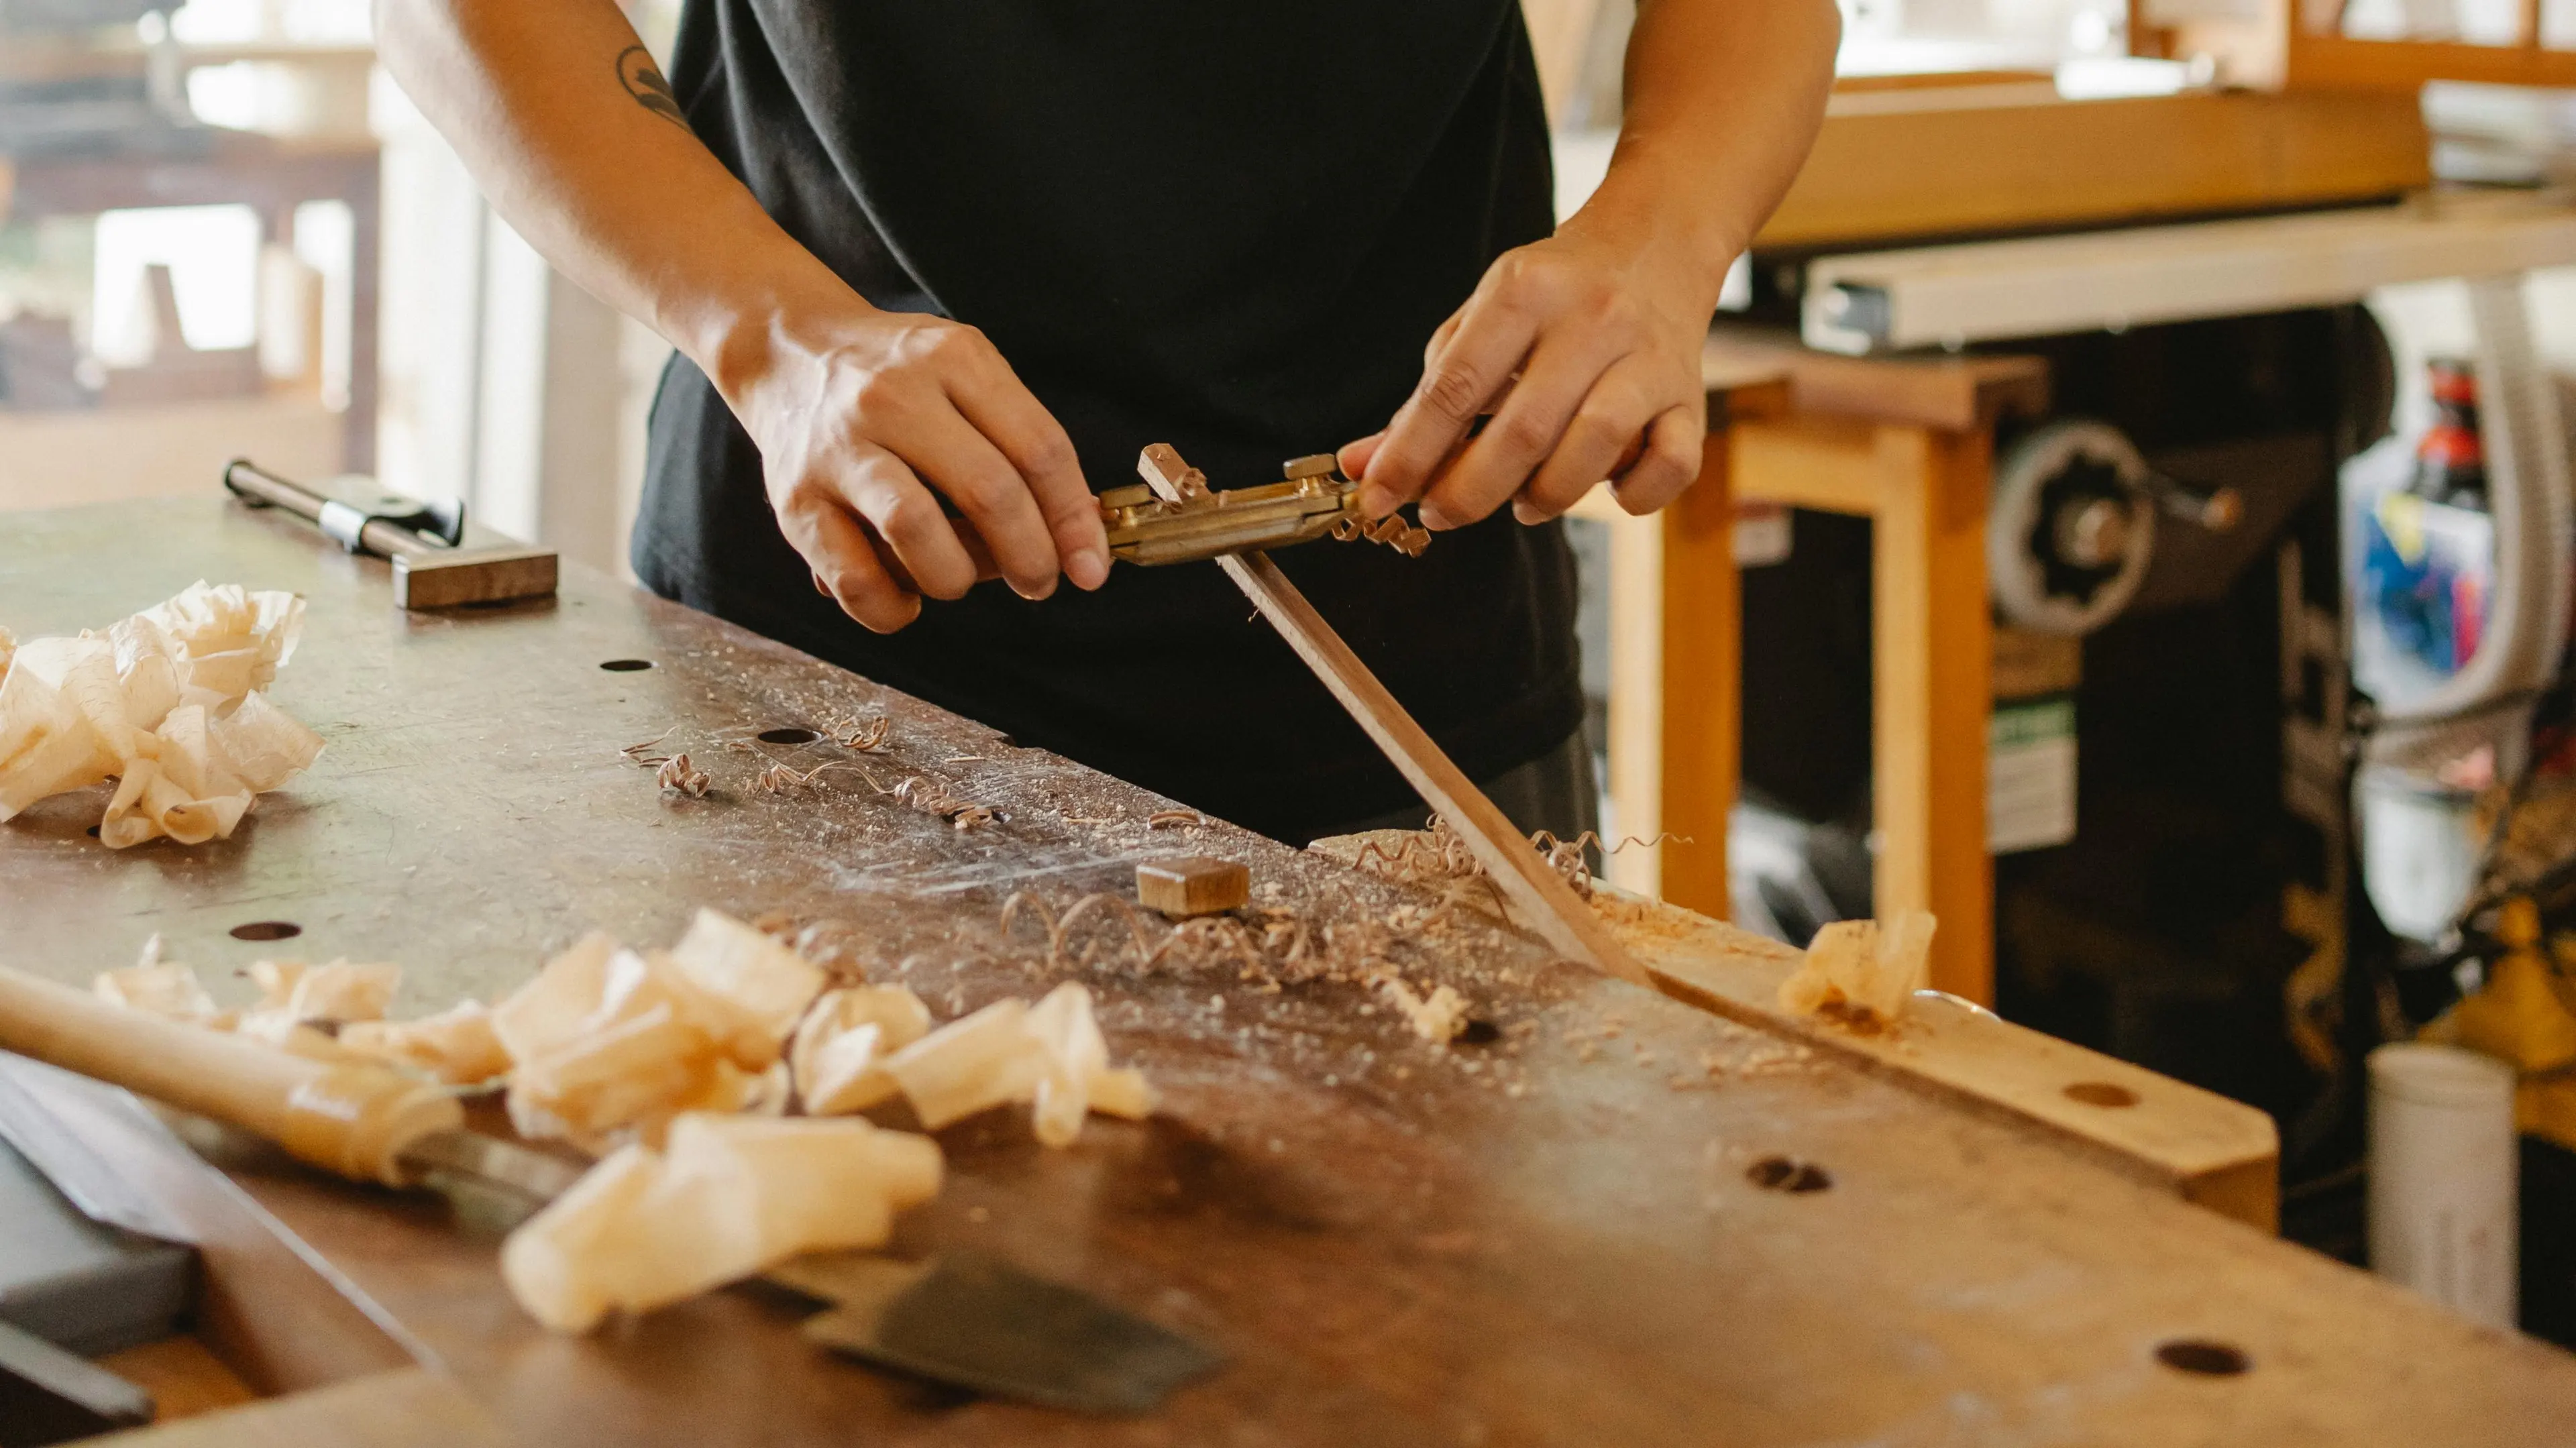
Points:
(1550, 1238)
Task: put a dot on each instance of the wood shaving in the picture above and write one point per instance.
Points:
(780, 779)
(162, 988)
(678, 776)
(641, 752)
(838, 1057)
(1860, 974)
(296, 998)
(725, 1199)
(610, 1044)
(1175, 818)
(1437, 1017)
(169, 704)
(1050, 1055)
(922, 793)
(867, 736)
(457, 1046)
(1438, 854)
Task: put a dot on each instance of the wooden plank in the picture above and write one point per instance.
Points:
(1676, 681)
(1829, 464)
(1675, 709)
(1932, 649)
(1555, 1236)
(1955, 393)
(1920, 164)
(2197, 1144)
(2201, 1146)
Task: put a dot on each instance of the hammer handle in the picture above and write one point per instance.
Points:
(351, 1117)
(374, 535)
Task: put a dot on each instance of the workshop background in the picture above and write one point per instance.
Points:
(2148, 846)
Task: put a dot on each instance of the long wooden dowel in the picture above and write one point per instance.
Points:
(1539, 895)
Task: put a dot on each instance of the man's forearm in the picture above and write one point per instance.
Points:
(569, 127)
(1724, 98)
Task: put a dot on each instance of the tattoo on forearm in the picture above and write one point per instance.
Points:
(643, 80)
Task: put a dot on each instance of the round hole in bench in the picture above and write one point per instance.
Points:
(92, 832)
(1781, 1174)
(2102, 1093)
(788, 736)
(268, 930)
(1479, 1032)
(2202, 1357)
(627, 666)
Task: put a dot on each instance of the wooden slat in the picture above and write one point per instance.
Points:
(2205, 1148)
(2401, 67)
(1920, 164)
(1955, 393)
(1932, 649)
(1676, 647)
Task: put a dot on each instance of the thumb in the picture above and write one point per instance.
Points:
(1354, 456)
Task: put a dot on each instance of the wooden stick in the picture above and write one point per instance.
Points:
(351, 1117)
(1540, 895)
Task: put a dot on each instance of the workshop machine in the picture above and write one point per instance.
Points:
(2198, 820)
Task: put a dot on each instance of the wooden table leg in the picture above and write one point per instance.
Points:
(1932, 645)
(1676, 666)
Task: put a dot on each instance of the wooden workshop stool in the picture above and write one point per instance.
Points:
(1907, 443)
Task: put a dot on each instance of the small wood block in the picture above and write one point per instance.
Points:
(1193, 885)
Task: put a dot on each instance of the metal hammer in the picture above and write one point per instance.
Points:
(425, 541)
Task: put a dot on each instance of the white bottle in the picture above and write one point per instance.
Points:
(2445, 1177)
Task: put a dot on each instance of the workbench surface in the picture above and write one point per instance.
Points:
(1550, 1237)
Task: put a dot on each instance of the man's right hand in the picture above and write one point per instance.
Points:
(866, 419)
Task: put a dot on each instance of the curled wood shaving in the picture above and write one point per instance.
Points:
(779, 779)
(1266, 946)
(929, 796)
(1440, 853)
(1179, 818)
(1060, 927)
(679, 776)
(867, 736)
(641, 753)
(1390, 530)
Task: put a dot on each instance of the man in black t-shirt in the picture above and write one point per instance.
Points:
(1230, 225)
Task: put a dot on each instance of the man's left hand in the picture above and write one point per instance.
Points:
(1583, 353)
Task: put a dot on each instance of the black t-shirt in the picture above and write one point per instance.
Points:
(1227, 226)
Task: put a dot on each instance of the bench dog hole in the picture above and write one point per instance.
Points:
(267, 930)
(788, 736)
(1780, 1174)
(2102, 1093)
(627, 666)
(2203, 1357)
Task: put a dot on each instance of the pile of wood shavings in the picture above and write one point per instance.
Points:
(170, 704)
(683, 1066)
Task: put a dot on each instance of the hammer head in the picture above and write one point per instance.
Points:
(449, 578)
